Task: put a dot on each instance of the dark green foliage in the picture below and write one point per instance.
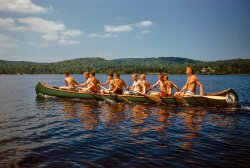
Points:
(171, 65)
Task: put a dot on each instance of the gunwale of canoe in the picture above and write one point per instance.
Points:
(219, 99)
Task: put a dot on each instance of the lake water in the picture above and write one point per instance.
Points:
(55, 132)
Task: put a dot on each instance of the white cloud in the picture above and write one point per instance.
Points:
(6, 22)
(117, 29)
(129, 27)
(21, 6)
(40, 25)
(66, 41)
(107, 35)
(7, 42)
(73, 32)
(49, 37)
(50, 30)
(144, 24)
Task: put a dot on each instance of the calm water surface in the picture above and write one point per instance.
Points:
(55, 132)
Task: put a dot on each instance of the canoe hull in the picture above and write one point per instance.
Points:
(227, 98)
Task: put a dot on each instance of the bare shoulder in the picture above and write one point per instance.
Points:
(194, 77)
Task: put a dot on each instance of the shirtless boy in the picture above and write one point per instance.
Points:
(192, 82)
(110, 81)
(119, 84)
(69, 82)
(137, 86)
(86, 84)
(170, 85)
(163, 86)
(145, 83)
(93, 86)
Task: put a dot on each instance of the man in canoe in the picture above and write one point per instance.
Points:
(170, 84)
(137, 86)
(93, 86)
(163, 86)
(119, 84)
(110, 81)
(86, 84)
(69, 82)
(145, 83)
(190, 86)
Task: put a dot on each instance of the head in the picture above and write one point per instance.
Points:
(117, 76)
(66, 74)
(110, 76)
(135, 76)
(91, 74)
(190, 70)
(143, 76)
(161, 77)
(86, 75)
(165, 76)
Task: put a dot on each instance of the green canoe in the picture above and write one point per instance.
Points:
(226, 98)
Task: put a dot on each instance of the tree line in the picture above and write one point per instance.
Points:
(171, 65)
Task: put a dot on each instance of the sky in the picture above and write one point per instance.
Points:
(50, 31)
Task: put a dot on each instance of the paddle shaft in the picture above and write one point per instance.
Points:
(116, 95)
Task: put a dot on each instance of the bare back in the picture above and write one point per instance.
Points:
(119, 83)
(70, 81)
(94, 83)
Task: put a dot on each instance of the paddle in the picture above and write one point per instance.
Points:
(116, 95)
(154, 99)
(177, 98)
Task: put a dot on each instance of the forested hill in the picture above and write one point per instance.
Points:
(171, 65)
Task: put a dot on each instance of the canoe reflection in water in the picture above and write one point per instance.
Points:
(170, 126)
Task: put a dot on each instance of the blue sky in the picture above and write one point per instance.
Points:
(48, 31)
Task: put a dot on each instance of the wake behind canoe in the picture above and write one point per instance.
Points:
(226, 98)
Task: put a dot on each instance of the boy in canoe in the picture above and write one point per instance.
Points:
(69, 82)
(119, 84)
(170, 85)
(145, 83)
(164, 87)
(93, 86)
(190, 86)
(137, 86)
(86, 83)
(110, 81)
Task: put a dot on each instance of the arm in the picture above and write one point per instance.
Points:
(75, 82)
(84, 84)
(105, 83)
(66, 83)
(182, 90)
(129, 88)
(201, 87)
(125, 85)
(176, 87)
(92, 85)
(157, 83)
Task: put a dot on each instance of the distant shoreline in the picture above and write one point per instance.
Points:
(170, 65)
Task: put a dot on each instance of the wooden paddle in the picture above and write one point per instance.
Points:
(154, 99)
(178, 100)
(116, 95)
